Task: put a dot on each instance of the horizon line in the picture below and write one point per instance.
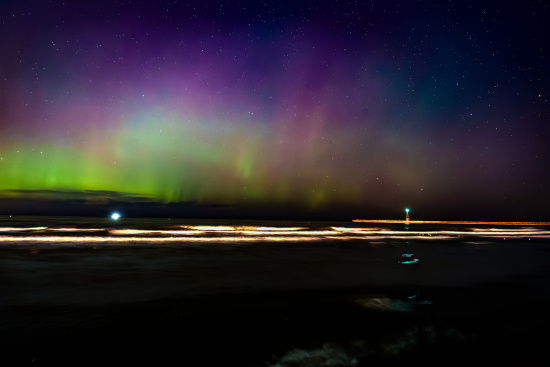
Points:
(448, 222)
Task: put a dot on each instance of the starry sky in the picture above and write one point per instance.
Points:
(313, 109)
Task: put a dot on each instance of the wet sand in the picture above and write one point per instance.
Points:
(497, 323)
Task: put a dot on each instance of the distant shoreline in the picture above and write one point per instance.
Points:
(449, 222)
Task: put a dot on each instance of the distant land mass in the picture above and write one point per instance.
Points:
(448, 222)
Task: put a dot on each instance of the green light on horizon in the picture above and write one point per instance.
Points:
(407, 210)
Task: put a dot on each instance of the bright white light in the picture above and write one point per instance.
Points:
(115, 216)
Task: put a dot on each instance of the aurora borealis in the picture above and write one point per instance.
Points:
(315, 106)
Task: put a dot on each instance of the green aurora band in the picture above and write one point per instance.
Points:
(172, 160)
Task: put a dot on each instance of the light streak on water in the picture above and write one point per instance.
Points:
(189, 230)
(76, 229)
(19, 229)
(243, 228)
(248, 234)
(413, 261)
(158, 232)
(99, 239)
(38, 229)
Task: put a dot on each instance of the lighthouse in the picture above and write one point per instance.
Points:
(407, 217)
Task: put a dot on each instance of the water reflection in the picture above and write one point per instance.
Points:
(247, 234)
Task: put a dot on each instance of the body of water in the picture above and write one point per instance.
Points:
(89, 291)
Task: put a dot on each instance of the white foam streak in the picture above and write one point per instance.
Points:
(107, 239)
(76, 229)
(20, 229)
(157, 232)
(246, 234)
(197, 230)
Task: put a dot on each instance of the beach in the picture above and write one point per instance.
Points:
(373, 296)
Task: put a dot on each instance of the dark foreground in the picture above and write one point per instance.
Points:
(494, 324)
(355, 302)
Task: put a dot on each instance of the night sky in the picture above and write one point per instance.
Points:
(283, 109)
